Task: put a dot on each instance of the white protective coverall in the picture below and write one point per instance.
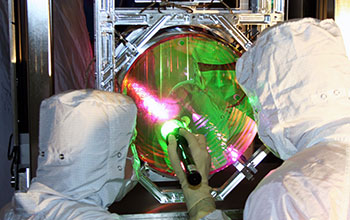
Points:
(297, 77)
(83, 144)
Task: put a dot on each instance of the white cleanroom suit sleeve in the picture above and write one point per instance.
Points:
(216, 215)
(297, 77)
(84, 137)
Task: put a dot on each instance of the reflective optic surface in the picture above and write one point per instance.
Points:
(191, 78)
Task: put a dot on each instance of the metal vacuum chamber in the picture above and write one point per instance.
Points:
(177, 61)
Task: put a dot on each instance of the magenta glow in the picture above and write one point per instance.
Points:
(157, 110)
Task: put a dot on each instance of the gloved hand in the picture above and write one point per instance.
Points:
(198, 198)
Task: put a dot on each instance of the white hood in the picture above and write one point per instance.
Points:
(297, 77)
(83, 145)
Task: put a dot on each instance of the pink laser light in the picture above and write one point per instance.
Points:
(157, 110)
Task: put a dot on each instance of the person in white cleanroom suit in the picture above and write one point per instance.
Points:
(297, 76)
(83, 164)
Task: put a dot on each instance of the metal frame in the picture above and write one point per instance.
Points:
(32, 80)
(112, 63)
(244, 170)
(40, 71)
(107, 17)
(233, 214)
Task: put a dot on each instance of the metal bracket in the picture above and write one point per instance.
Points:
(110, 64)
(244, 170)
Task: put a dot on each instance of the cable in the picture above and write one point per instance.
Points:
(226, 5)
(148, 6)
(14, 156)
(208, 5)
(164, 3)
(10, 155)
(187, 9)
(238, 103)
